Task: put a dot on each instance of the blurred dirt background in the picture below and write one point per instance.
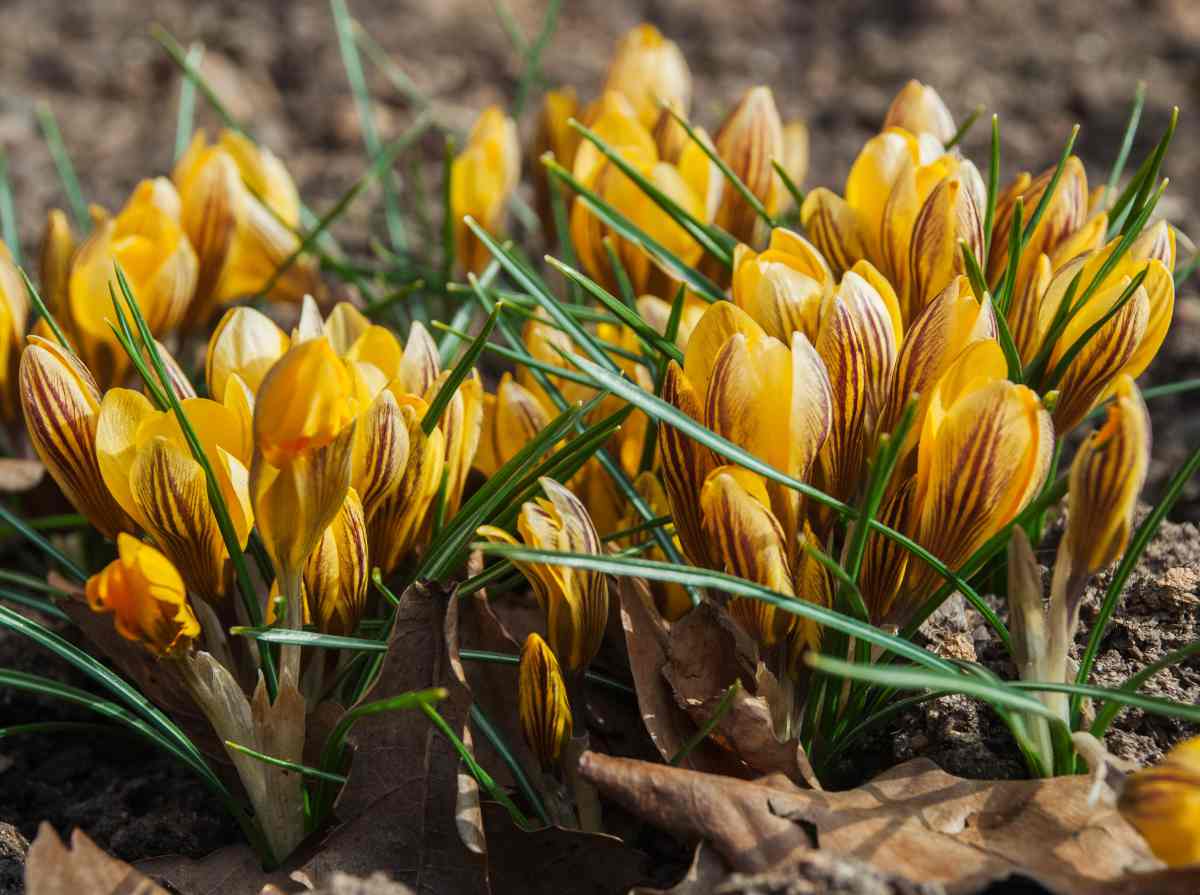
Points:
(1041, 65)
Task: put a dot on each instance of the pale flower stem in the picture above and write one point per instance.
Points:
(289, 654)
(587, 801)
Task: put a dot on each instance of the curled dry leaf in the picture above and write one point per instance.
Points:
(552, 860)
(706, 652)
(18, 475)
(52, 868)
(647, 637)
(407, 800)
(915, 820)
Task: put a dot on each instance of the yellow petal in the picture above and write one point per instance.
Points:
(748, 396)
(750, 542)
(748, 141)
(400, 520)
(1107, 475)
(54, 262)
(61, 403)
(146, 596)
(685, 465)
(306, 401)
(1163, 803)
(719, 324)
(650, 71)
(337, 571)
(837, 228)
(380, 451)
(880, 165)
(170, 492)
(120, 417)
(295, 503)
(919, 110)
(247, 343)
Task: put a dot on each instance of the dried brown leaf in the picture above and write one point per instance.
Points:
(915, 820)
(229, 870)
(52, 868)
(18, 475)
(706, 652)
(553, 861)
(401, 807)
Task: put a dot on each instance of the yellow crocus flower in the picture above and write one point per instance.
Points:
(148, 241)
(1107, 475)
(784, 286)
(543, 706)
(908, 204)
(575, 601)
(61, 405)
(150, 471)
(146, 596)
(482, 177)
(241, 211)
(304, 423)
(554, 135)
(14, 316)
(1163, 804)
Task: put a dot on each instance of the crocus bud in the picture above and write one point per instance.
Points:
(482, 177)
(556, 136)
(1163, 803)
(148, 242)
(575, 601)
(146, 596)
(545, 711)
(794, 160)
(1107, 475)
(511, 418)
(919, 110)
(749, 140)
(61, 405)
(650, 71)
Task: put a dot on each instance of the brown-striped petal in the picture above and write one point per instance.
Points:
(544, 710)
(337, 571)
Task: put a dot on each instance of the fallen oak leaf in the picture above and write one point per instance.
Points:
(51, 868)
(706, 652)
(647, 636)
(915, 820)
(19, 475)
(553, 860)
(401, 807)
(227, 871)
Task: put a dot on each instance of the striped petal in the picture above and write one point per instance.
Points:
(543, 707)
(380, 451)
(337, 571)
(61, 405)
(686, 464)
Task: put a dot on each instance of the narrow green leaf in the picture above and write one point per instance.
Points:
(185, 120)
(302, 770)
(620, 310)
(1088, 334)
(796, 193)
(344, 28)
(215, 498)
(44, 312)
(964, 128)
(8, 213)
(1133, 553)
(43, 606)
(433, 416)
(265, 634)
(993, 189)
(1135, 116)
(735, 181)
(656, 570)
(18, 524)
(721, 710)
(533, 58)
(624, 227)
(62, 163)
(712, 238)
(493, 736)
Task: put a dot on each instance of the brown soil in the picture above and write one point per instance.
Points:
(1041, 65)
